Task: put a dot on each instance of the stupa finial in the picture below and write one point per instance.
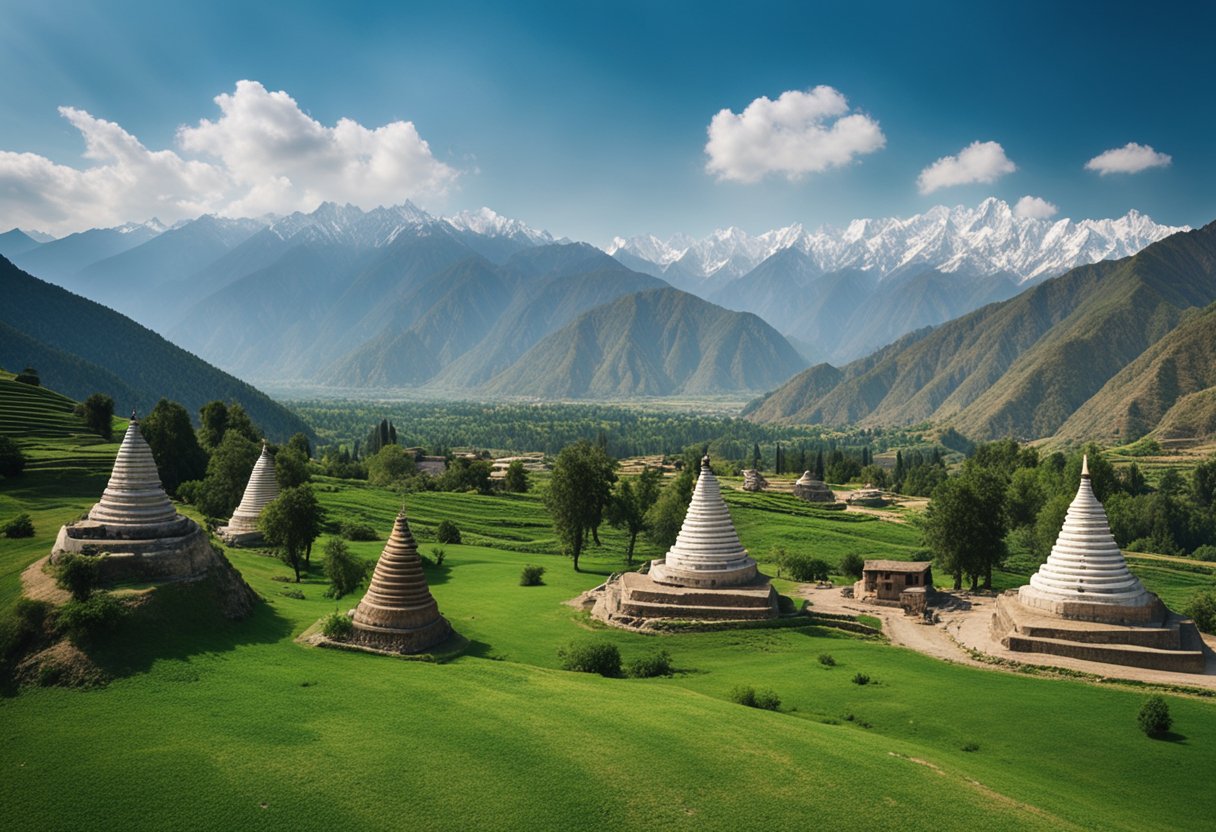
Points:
(705, 461)
(1085, 465)
(133, 417)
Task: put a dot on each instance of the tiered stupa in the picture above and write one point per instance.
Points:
(812, 490)
(1084, 602)
(398, 612)
(262, 489)
(135, 525)
(707, 574)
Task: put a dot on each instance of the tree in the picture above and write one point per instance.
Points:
(175, 447)
(1154, 717)
(447, 532)
(1203, 482)
(29, 376)
(239, 421)
(819, 471)
(213, 423)
(852, 565)
(344, 571)
(228, 472)
(290, 524)
(1025, 497)
(756, 458)
(291, 468)
(300, 444)
(965, 525)
(629, 504)
(516, 480)
(579, 489)
(12, 460)
(98, 413)
(390, 465)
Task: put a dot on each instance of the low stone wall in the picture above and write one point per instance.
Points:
(177, 558)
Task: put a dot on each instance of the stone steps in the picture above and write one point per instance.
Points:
(651, 609)
(1133, 655)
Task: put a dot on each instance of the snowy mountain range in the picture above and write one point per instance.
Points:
(988, 239)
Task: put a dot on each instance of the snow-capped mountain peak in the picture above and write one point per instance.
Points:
(489, 223)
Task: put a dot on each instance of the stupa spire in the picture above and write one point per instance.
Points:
(1085, 564)
(398, 610)
(260, 491)
(134, 495)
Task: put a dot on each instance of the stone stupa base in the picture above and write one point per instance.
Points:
(182, 551)
(392, 640)
(1159, 640)
(1138, 608)
(663, 573)
(634, 599)
(240, 536)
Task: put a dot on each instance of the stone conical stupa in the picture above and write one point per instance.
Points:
(812, 490)
(398, 612)
(262, 489)
(134, 496)
(707, 551)
(1085, 565)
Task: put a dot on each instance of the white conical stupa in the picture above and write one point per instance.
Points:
(261, 490)
(134, 495)
(1085, 565)
(707, 551)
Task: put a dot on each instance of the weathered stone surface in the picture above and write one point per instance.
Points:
(261, 490)
(753, 480)
(812, 490)
(398, 611)
(134, 495)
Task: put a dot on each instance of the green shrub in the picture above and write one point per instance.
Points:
(648, 667)
(1202, 610)
(971, 747)
(12, 460)
(84, 620)
(20, 526)
(532, 575)
(438, 555)
(802, 567)
(600, 657)
(338, 626)
(447, 532)
(1154, 717)
(343, 570)
(827, 660)
(747, 695)
(852, 565)
(297, 594)
(861, 679)
(78, 574)
(1206, 552)
(357, 531)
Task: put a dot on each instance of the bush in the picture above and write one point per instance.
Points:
(12, 460)
(852, 564)
(1155, 717)
(531, 575)
(447, 532)
(297, 594)
(971, 747)
(1206, 552)
(1202, 610)
(357, 531)
(83, 620)
(799, 567)
(600, 657)
(827, 660)
(29, 376)
(861, 679)
(648, 667)
(337, 626)
(78, 574)
(766, 700)
(344, 571)
(20, 526)
(438, 555)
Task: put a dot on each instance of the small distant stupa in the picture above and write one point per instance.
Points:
(1085, 603)
(398, 612)
(706, 574)
(136, 526)
(812, 490)
(262, 489)
(753, 480)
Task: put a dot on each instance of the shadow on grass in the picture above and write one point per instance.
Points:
(1170, 736)
(480, 650)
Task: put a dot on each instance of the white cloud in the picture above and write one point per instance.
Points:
(977, 162)
(1131, 158)
(263, 154)
(1033, 207)
(799, 133)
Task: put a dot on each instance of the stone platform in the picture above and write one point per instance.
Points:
(180, 551)
(1164, 642)
(401, 640)
(633, 599)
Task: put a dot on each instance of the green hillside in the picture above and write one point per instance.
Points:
(270, 734)
(65, 336)
(1021, 367)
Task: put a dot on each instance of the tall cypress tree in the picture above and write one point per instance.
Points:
(819, 465)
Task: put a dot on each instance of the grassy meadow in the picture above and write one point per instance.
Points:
(216, 724)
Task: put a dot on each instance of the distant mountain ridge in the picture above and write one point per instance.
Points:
(1029, 366)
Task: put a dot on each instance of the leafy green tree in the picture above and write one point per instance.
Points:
(98, 413)
(465, 474)
(630, 503)
(965, 525)
(175, 447)
(390, 465)
(290, 524)
(29, 376)
(852, 565)
(12, 459)
(228, 472)
(1203, 483)
(447, 532)
(819, 470)
(291, 468)
(1025, 497)
(344, 571)
(300, 444)
(516, 480)
(213, 424)
(579, 489)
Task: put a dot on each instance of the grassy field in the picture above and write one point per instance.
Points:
(214, 724)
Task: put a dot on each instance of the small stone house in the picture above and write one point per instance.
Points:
(887, 581)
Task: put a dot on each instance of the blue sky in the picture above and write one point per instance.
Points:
(591, 119)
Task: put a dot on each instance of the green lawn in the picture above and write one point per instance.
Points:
(213, 724)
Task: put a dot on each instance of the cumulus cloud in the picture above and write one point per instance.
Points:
(1033, 207)
(1131, 158)
(263, 154)
(977, 162)
(799, 133)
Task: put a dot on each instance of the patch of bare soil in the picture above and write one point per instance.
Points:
(63, 664)
(38, 584)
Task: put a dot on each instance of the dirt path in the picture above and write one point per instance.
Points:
(968, 629)
(37, 585)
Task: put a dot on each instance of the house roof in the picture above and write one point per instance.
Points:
(898, 565)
